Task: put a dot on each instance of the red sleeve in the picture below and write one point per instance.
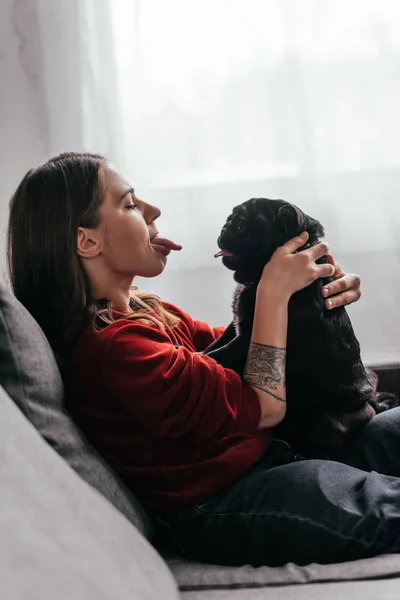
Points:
(202, 334)
(174, 392)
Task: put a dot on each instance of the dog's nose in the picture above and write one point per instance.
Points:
(221, 235)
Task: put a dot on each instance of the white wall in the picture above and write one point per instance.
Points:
(22, 142)
(57, 89)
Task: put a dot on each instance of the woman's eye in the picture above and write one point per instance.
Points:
(131, 206)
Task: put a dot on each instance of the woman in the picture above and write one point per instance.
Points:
(194, 441)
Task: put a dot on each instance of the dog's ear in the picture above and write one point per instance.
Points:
(290, 221)
(269, 224)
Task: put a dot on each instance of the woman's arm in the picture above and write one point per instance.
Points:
(286, 273)
(201, 333)
(266, 358)
(206, 338)
(171, 390)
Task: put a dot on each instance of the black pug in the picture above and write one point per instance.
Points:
(329, 391)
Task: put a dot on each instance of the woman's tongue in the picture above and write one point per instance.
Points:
(164, 245)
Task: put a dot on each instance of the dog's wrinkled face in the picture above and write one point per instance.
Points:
(254, 231)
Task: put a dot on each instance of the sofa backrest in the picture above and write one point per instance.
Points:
(30, 375)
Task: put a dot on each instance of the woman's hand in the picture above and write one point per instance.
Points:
(289, 271)
(345, 288)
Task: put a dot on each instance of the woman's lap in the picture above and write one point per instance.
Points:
(304, 511)
(376, 446)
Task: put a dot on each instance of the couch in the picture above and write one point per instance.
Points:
(70, 529)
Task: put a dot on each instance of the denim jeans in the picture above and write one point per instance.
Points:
(289, 510)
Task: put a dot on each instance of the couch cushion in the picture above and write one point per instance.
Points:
(60, 538)
(351, 590)
(29, 373)
(192, 576)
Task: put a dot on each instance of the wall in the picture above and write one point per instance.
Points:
(57, 86)
(22, 142)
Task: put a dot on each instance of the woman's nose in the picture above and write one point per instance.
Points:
(152, 213)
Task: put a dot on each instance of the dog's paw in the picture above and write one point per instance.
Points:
(385, 401)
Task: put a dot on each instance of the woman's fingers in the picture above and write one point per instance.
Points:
(318, 251)
(325, 270)
(335, 287)
(295, 243)
(332, 261)
(344, 290)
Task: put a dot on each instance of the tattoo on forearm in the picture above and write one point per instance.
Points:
(265, 368)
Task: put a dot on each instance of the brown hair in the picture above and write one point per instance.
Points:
(47, 277)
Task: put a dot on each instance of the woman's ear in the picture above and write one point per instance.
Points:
(88, 243)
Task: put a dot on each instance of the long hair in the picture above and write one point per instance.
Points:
(46, 274)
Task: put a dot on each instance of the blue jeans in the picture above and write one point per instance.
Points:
(289, 510)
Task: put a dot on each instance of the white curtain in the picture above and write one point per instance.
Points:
(223, 100)
(58, 86)
(204, 104)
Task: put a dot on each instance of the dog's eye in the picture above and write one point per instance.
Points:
(240, 226)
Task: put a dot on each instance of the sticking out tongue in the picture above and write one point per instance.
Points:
(164, 245)
(223, 253)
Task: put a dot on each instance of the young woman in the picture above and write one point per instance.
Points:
(194, 441)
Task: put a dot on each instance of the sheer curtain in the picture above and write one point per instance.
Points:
(58, 86)
(222, 100)
(204, 104)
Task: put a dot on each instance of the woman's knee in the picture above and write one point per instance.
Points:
(381, 425)
(376, 445)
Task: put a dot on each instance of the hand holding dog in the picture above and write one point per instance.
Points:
(345, 288)
(289, 271)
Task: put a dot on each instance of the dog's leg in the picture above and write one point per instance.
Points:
(381, 401)
(384, 401)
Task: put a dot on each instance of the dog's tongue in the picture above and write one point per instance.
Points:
(223, 253)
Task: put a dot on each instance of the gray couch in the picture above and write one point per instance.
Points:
(70, 529)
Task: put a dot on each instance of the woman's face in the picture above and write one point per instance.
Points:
(123, 237)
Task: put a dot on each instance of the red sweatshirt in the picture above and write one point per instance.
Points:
(176, 426)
